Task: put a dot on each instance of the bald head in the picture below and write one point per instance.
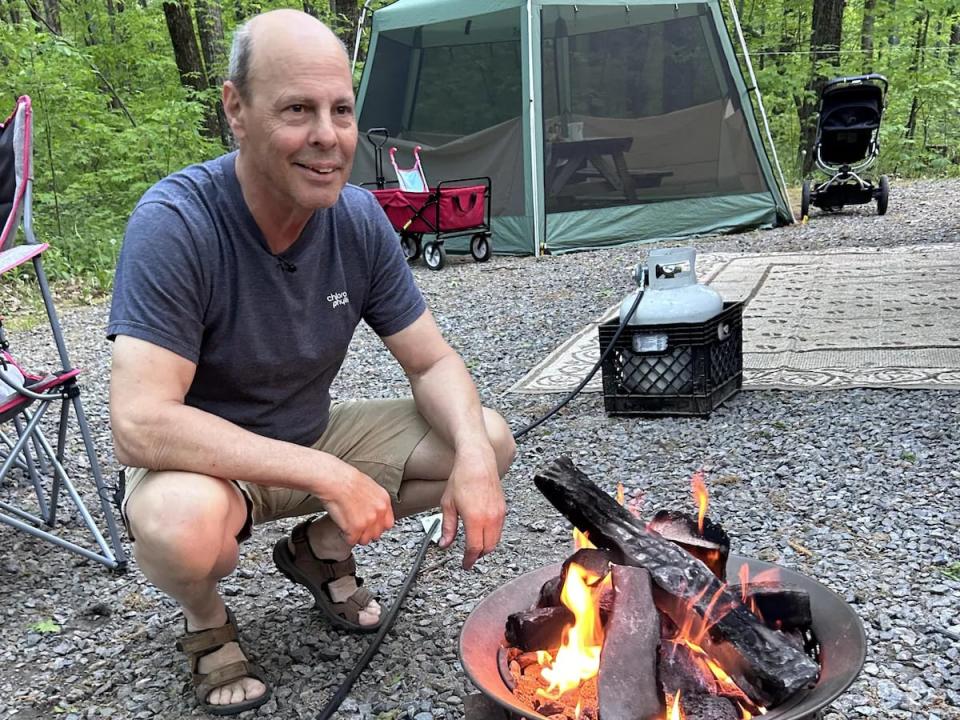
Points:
(267, 35)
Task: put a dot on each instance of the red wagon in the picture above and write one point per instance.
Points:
(453, 208)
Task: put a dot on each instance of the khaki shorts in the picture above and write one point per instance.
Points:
(376, 437)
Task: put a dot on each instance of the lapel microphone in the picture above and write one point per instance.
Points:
(285, 265)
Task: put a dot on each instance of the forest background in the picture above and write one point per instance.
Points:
(126, 91)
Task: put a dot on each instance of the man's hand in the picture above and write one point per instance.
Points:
(358, 506)
(474, 494)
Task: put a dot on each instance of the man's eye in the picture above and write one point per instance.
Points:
(296, 108)
(344, 109)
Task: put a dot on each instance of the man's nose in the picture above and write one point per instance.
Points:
(322, 132)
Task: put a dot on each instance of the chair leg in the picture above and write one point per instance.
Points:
(102, 492)
(28, 432)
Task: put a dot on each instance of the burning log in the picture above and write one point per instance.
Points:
(711, 546)
(628, 662)
(706, 707)
(538, 629)
(781, 608)
(766, 667)
(550, 593)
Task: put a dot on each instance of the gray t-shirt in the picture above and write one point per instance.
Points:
(268, 333)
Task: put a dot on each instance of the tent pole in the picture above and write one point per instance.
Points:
(531, 105)
(356, 44)
(763, 112)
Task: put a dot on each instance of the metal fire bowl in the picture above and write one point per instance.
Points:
(843, 645)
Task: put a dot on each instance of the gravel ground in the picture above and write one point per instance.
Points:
(857, 488)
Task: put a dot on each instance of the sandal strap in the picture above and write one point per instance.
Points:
(358, 601)
(322, 570)
(198, 643)
(203, 684)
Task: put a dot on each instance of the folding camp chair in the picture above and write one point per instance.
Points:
(25, 396)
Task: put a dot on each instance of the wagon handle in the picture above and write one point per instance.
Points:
(378, 138)
(383, 134)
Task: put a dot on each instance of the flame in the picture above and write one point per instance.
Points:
(692, 633)
(700, 496)
(578, 658)
(580, 541)
(620, 493)
(771, 575)
(675, 713)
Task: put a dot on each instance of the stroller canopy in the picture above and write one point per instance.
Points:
(851, 107)
(599, 123)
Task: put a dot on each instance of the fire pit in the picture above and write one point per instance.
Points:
(762, 670)
(837, 627)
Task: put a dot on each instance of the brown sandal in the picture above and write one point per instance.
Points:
(200, 643)
(304, 568)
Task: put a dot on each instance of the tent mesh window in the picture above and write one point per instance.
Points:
(639, 106)
(456, 81)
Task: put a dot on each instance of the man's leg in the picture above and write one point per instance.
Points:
(424, 480)
(185, 528)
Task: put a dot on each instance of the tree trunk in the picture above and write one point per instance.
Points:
(954, 44)
(923, 26)
(866, 33)
(210, 26)
(187, 56)
(13, 12)
(112, 16)
(827, 29)
(346, 14)
(310, 9)
(51, 9)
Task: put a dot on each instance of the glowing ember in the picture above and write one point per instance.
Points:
(700, 496)
(620, 493)
(578, 658)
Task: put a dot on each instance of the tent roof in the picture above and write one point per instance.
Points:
(409, 13)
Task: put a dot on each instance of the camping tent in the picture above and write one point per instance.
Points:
(600, 123)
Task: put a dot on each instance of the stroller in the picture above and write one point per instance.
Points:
(451, 209)
(847, 144)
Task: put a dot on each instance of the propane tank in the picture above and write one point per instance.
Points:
(673, 294)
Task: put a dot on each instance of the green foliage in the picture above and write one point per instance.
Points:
(45, 627)
(910, 49)
(112, 117)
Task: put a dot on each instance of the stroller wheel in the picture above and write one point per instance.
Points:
(410, 242)
(480, 247)
(805, 200)
(883, 195)
(434, 255)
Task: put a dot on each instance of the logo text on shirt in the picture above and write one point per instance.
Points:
(338, 299)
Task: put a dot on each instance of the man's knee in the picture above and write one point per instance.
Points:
(501, 438)
(184, 516)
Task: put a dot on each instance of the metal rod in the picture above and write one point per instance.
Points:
(763, 112)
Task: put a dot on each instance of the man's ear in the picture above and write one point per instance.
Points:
(233, 109)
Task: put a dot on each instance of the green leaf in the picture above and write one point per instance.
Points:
(45, 627)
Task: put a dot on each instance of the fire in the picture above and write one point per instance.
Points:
(580, 541)
(700, 496)
(578, 658)
(675, 713)
(743, 575)
(620, 493)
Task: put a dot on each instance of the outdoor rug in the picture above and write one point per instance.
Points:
(840, 318)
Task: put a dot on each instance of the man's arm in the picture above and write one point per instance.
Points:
(153, 428)
(447, 398)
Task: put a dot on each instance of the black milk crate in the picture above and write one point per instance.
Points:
(700, 367)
